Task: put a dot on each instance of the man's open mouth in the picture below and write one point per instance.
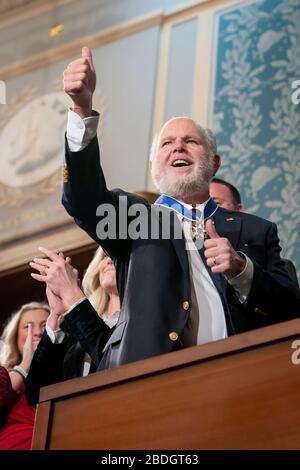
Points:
(180, 163)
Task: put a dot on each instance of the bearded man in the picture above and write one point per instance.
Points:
(226, 277)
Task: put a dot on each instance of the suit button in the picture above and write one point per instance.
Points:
(65, 174)
(185, 305)
(258, 310)
(173, 336)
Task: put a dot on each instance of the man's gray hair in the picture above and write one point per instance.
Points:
(208, 135)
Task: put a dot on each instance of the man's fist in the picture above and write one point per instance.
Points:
(79, 81)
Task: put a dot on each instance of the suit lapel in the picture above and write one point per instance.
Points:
(218, 280)
(179, 243)
(228, 225)
(221, 286)
(170, 228)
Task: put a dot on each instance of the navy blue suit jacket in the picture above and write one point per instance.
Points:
(153, 275)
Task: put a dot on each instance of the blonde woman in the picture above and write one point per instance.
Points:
(20, 337)
(65, 351)
(100, 287)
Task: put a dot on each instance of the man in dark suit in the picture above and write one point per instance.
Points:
(226, 195)
(176, 289)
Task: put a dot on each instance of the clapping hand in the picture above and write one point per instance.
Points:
(61, 278)
(57, 309)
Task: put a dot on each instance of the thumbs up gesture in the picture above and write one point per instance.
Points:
(79, 82)
(219, 254)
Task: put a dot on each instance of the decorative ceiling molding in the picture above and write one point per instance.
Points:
(8, 5)
(71, 48)
(93, 40)
(14, 11)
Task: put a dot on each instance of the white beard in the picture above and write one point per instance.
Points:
(195, 183)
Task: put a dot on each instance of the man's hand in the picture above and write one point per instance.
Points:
(57, 309)
(79, 81)
(220, 255)
(59, 275)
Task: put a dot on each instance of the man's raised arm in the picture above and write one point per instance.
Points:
(84, 189)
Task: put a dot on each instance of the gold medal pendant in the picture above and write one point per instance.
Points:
(198, 230)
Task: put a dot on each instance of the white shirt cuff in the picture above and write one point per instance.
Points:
(80, 132)
(86, 365)
(57, 336)
(243, 281)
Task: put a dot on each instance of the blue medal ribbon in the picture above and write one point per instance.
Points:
(168, 201)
